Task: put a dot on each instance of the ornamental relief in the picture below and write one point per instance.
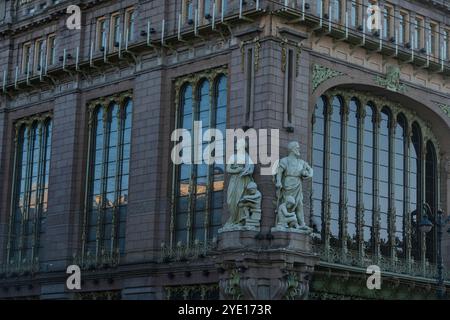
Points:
(321, 74)
(445, 108)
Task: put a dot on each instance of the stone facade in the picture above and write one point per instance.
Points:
(242, 264)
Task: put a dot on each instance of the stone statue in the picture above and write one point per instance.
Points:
(289, 176)
(250, 206)
(240, 169)
(286, 216)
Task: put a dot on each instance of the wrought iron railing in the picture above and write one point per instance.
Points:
(184, 252)
(20, 268)
(105, 259)
(397, 266)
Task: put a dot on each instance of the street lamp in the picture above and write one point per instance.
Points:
(425, 225)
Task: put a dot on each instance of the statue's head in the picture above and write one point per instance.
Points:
(290, 202)
(294, 147)
(252, 188)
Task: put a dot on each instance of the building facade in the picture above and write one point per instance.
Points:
(87, 115)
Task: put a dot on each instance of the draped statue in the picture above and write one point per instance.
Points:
(289, 176)
(240, 170)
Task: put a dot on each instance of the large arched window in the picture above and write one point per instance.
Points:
(30, 192)
(198, 187)
(375, 165)
(107, 180)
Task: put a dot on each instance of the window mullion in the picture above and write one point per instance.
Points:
(14, 192)
(360, 183)
(421, 201)
(29, 166)
(193, 168)
(212, 110)
(376, 198)
(101, 207)
(326, 199)
(407, 191)
(39, 190)
(114, 224)
(175, 180)
(392, 210)
(343, 202)
(87, 198)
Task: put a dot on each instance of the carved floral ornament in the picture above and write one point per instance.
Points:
(195, 78)
(445, 108)
(321, 74)
(119, 98)
(257, 48)
(392, 80)
(29, 121)
(284, 44)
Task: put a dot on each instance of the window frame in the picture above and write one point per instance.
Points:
(103, 255)
(101, 33)
(42, 124)
(405, 27)
(446, 44)
(195, 81)
(188, 12)
(39, 49)
(129, 13)
(115, 22)
(387, 34)
(51, 50)
(418, 34)
(27, 56)
(425, 136)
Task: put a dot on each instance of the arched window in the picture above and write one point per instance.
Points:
(30, 192)
(370, 182)
(198, 187)
(107, 180)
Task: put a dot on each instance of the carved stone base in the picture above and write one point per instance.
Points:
(251, 267)
(236, 227)
(298, 241)
(305, 230)
(236, 238)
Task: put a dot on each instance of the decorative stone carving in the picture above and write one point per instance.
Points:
(290, 174)
(243, 197)
(286, 217)
(296, 289)
(257, 48)
(243, 274)
(392, 80)
(445, 108)
(250, 206)
(322, 74)
(232, 286)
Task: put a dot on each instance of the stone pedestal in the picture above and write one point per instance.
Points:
(264, 267)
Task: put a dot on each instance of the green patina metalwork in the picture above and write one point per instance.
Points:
(322, 74)
(233, 287)
(208, 291)
(445, 108)
(392, 80)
